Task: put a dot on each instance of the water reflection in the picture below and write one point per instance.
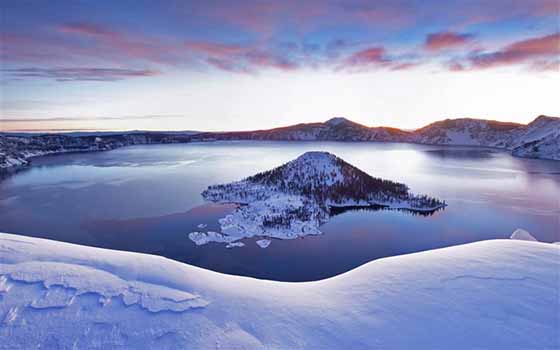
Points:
(461, 153)
(334, 211)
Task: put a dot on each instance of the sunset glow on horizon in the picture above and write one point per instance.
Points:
(220, 65)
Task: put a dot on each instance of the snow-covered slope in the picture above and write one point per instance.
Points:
(500, 294)
(294, 199)
(540, 139)
(466, 131)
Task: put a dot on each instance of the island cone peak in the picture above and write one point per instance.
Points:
(338, 121)
(322, 165)
(327, 178)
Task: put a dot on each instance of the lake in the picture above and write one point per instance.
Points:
(147, 199)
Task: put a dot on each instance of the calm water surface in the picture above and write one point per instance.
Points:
(147, 199)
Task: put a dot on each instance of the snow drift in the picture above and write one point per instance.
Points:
(501, 294)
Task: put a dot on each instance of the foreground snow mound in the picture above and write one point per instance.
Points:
(482, 295)
(294, 199)
(522, 235)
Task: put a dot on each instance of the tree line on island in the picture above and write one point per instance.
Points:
(356, 185)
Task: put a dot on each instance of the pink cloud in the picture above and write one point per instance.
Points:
(404, 66)
(265, 59)
(112, 44)
(215, 49)
(375, 57)
(85, 29)
(372, 55)
(455, 67)
(238, 58)
(445, 40)
(541, 49)
(265, 18)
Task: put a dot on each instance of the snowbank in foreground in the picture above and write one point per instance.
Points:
(492, 294)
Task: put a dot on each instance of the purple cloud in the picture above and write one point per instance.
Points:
(445, 40)
(540, 53)
(375, 57)
(239, 58)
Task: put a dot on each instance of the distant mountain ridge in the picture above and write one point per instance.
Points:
(538, 139)
(335, 129)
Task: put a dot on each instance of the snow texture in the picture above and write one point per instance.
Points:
(499, 294)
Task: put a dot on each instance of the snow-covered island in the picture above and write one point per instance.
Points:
(294, 199)
(498, 294)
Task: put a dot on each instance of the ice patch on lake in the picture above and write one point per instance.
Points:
(201, 238)
(235, 244)
(263, 243)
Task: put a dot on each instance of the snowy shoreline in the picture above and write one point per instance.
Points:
(61, 295)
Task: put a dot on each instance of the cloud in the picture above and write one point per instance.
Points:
(372, 55)
(248, 36)
(83, 43)
(112, 44)
(85, 29)
(445, 40)
(54, 119)
(239, 58)
(215, 49)
(375, 57)
(78, 74)
(520, 51)
(540, 53)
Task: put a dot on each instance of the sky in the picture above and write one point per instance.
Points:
(243, 65)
